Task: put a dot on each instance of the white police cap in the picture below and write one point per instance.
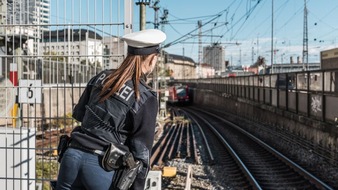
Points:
(144, 42)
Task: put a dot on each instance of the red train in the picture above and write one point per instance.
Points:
(179, 93)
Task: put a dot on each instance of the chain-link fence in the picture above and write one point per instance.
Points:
(49, 49)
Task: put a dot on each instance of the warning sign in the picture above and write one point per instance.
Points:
(30, 91)
(7, 96)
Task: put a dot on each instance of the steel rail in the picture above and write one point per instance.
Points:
(245, 170)
(204, 138)
(178, 152)
(188, 140)
(292, 138)
(318, 183)
(194, 145)
(173, 142)
(159, 148)
(164, 150)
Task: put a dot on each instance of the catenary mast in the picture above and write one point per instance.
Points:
(305, 40)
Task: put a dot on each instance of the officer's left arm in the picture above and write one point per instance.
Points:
(142, 138)
(79, 110)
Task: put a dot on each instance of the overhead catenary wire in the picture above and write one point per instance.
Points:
(191, 18)
(189, 33)
(248, 13)
(321, 20)
(240, 25)
(214, 18)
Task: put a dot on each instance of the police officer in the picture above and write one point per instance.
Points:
(116, 107)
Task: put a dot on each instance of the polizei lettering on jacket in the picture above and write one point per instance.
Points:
(101, 78)
(125, 91)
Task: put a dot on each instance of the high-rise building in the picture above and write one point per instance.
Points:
(20, 12)
(215, 56)
(42, 13)
(29, 19)
(28, 12)
(41, 18)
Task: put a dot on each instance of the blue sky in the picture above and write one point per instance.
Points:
(249, 23)
(246, 23)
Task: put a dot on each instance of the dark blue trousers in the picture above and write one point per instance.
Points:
(80, 170)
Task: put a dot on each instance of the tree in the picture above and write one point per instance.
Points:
(260, 62)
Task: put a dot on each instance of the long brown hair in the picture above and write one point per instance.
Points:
(131, 68)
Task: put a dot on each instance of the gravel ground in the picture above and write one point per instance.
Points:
(205, 176)
(211, 177)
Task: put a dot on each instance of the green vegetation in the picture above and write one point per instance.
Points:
(46, 171)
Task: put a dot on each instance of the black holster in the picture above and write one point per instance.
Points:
(114, 156)
(118, 157)
(62, 147)
(125, 177)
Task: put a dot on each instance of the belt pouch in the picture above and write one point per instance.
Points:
(113, 157)
(63, 145)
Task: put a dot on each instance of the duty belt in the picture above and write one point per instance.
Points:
(76, 145)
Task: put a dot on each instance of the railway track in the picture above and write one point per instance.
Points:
(287, 136)
(262, 166)
(245, 162)
(177, 141)
(217, 155)
(321, 162)
(47, 141)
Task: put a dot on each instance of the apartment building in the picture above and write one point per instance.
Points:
(75, 45)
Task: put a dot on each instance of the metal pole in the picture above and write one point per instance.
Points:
(305, 40)
(128, 21)
(164, 91)
(3, 20)
(199, 23)
(272, 38)
(142, 13)
(128, 16)
(240, 56)
(142, 16)
(156, 8)
(252, 54)
(183, 65)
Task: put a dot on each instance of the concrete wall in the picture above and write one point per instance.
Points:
(320, 133)
(56, 103)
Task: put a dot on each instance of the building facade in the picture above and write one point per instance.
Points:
(42, 14)
(35, 14)
(77, 46)
(180, 67)
(215, 56)
(113, 53)
(21, 12)
(329, 59)
(205, 71)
